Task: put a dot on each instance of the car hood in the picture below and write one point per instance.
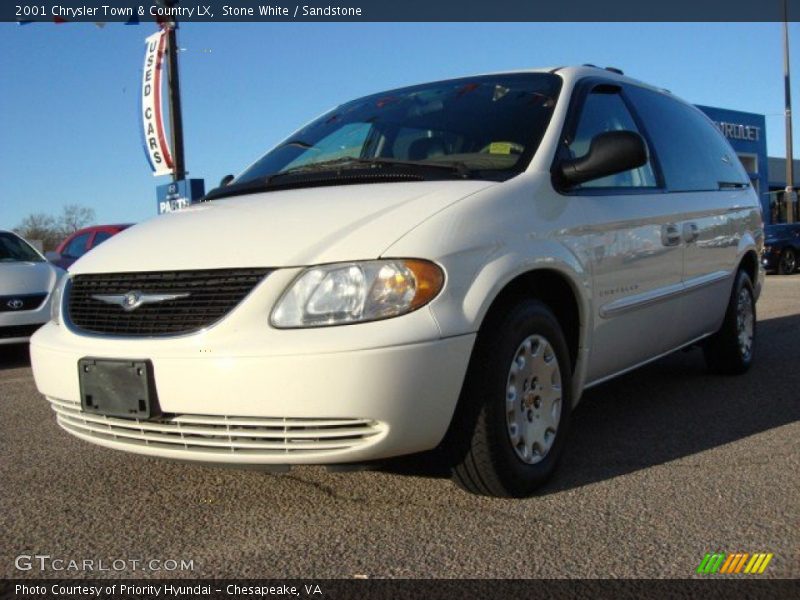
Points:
(27, 277)
(278, 229)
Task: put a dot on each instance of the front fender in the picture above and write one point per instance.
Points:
(503, 266)
(492, 237)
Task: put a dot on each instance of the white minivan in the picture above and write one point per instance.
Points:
(444, 266)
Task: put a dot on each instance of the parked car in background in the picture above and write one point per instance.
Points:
(27, 282)
(781, 248)
(80, 242)
(444, 266)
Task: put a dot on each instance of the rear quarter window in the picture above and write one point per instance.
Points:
(693, 154)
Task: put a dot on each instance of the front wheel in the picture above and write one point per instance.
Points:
(515, 405)
(730, 350)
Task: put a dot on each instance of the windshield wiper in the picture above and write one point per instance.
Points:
(453, 166)
(337, 164)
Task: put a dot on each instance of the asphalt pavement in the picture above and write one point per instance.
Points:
(662, 466)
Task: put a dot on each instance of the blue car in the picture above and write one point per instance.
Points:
(781, 248)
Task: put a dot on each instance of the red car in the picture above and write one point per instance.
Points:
(80, 242)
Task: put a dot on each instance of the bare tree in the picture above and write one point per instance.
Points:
(42, 227)
(51, 230)
(74, 217)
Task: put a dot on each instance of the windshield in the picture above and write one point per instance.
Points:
(484, 127)
(15, 249)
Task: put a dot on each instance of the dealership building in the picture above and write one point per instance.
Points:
(747, 133)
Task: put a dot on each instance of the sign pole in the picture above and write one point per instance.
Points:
(789, 197)
(175, 115)
(181, 192)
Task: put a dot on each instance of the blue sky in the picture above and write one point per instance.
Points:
(69, 104)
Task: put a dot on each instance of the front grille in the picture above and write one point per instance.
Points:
(18, 331)
(221, 436)
(21, 302)
(210, 295)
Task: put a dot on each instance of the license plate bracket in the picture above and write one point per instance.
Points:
(118, 388)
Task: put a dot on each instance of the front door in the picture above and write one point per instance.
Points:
(634, 245)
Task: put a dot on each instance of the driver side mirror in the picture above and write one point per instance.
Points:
(225, 180)
(609, 153)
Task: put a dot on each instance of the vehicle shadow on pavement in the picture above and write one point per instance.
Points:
(670, 409)
(14, 356)
(675, 408)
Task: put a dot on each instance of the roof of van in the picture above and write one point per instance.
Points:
(569, 74)
(575, 72)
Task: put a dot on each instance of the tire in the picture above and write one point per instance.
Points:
(730, 351)
(514, 410)
(787, 263)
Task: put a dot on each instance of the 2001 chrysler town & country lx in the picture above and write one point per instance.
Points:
(447, 265)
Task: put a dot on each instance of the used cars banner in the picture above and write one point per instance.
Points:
(155, 141)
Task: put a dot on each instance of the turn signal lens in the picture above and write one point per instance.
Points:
(357, 292)
(429, 281)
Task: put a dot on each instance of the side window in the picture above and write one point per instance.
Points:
(100, 237)
(693, 154)
(77, 246)
(606, 111)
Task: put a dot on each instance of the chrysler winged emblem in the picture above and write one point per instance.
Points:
(134, 299)
(15, 304)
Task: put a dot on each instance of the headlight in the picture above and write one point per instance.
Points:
(356, 292)
(55, 301)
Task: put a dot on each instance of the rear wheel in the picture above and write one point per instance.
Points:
(515, 406)
(730, 350)
(787, 263)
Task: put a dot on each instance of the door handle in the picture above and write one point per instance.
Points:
(670, 234)
(690, 232)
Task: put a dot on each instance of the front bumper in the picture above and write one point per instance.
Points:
(221, 406)
(18, 326)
